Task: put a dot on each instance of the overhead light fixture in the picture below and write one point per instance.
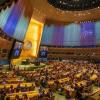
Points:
(75, 5)
(6, 3)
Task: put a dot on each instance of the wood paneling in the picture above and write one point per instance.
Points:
(42, 10)
(74, 53)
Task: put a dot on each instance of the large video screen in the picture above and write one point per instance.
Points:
(43, 52)
(17, 50)
(14, 22)
(74, 34)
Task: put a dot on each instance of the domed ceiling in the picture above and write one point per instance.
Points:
(75, 5)
(5, 3)
(79, 10)
(61, 10)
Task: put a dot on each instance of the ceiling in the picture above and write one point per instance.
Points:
(42, 11)
(75, 5)
(6, 3)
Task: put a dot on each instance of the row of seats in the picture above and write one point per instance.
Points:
(70, 76)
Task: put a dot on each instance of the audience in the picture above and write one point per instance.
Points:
(81, 76)
(73, 78)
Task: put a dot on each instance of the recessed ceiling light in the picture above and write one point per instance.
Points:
(75, 5)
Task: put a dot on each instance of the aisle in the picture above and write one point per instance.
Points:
(59, 97)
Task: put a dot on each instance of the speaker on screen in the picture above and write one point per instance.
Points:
(17, 49)
(43, 54)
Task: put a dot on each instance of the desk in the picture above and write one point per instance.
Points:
(93, 77)
(95, 96)
(15, 85)
(20, 94)
(78, 75)
(51, 82)
(82, 82)
(63, 80)
(10, 79)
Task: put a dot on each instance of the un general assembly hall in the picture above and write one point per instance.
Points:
(49, 49)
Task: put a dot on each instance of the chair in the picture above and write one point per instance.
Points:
(52, 98)
(45, 98)
(34, 98)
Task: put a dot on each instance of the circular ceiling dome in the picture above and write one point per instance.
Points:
(6, 3)
(74, 5)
